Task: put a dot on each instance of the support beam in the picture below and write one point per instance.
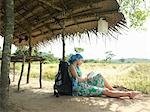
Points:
(62, 25)
(63, 43)
(75, 17)
(40, 78)
(63, 38)
(30, 54)
(22, 69)
(50, 5)
(14, 73)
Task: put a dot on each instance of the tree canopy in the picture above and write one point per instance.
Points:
(78, 49)
(48, 57)
(136, 12)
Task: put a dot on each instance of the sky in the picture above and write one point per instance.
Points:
(133, 44)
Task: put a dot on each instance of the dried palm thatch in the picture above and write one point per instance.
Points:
(44, 20)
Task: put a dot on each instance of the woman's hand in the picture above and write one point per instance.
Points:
(88, 75)
(86, 79)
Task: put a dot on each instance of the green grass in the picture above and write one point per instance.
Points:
(135, 76)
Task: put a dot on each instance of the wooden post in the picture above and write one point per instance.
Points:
(40, 79)
(14, 73)
(63, 40)
(63, 43)
(24, 58)
(30, 53)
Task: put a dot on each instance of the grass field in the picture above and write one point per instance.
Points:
(135, 76)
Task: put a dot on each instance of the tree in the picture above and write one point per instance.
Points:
(122, 60)
(109, 56)
(22, 51)
(5, 66)
(78, 49)
(25, 51)
(135, 11)
(49, 57)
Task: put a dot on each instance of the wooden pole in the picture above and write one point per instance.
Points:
(63, 43)
(30, 54)
(14, 73)
(40, 79)
(63, 40)
(24, 58)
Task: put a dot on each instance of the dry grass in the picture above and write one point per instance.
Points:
(133, 76)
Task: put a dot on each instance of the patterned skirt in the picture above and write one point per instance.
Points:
(93, 87)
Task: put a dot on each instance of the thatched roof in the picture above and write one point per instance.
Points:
(45, 19)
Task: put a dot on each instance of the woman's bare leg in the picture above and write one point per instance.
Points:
(108, 85)
(118, 94)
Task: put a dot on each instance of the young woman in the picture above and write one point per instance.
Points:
(95, 86)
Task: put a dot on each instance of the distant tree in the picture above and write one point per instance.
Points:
(91, 61)
(122, 60)
(22, 51)
(25, 51)
(109, 56)
(78, 49)
(49, 57)
(135, 11)
(35, 51)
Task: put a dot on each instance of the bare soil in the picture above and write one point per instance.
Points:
(31, 98)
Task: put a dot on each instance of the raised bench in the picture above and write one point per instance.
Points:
(28, 59)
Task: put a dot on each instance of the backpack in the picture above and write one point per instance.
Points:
(63, 81)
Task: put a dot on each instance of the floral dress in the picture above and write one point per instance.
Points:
(92, 87)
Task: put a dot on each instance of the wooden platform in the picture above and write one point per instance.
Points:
(27, 59)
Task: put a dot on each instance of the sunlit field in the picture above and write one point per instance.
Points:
(135, 76)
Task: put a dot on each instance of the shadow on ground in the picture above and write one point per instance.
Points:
(32, 99)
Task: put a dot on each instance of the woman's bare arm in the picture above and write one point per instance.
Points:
(75, 74)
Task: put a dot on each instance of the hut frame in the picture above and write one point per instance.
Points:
(38, 21)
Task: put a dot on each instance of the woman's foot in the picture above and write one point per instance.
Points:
(132, 94)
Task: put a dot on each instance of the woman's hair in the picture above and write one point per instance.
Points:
(74, 58)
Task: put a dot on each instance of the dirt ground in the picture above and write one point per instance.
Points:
(32, 99)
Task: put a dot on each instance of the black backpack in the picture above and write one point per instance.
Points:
(63, 82)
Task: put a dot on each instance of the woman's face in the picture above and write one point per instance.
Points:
(79, 62)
